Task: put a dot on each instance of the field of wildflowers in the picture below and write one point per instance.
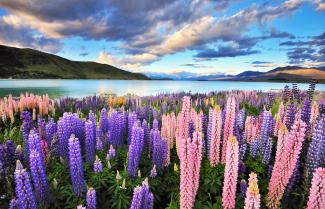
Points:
(229, 149)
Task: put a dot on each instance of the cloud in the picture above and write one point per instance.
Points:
(83, 54)
(320, 6)
(26, 37)
(225, 51)
(264, 64)
(194, 65)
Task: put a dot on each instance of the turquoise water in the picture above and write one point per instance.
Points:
(81, 88)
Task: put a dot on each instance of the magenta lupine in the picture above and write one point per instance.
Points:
(90, 142)
(42, 189)
(253, 197)
(98, 166)
(76, 168)
(91, 198)
(317, 190)
(190, 164)
(24, 191)
(229, 123)
(215, 141)
(231, 174)
(142, 197)
(286, 161)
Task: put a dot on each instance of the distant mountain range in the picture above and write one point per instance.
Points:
(33, 64)
(280, 74)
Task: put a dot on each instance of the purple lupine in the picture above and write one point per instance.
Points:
(89, 142)
(155, 124)
(34, 143)
(24, 191)
(41, 126)
(241, 167)
(153, 172)
(305, 112)
(116, 128)
(103, 120)
(50, 129)
(91, 198)
(111, 152)
(239, 132)
(99, 137)
(135, 149)
(209, 130)
(142, 197)
(243, 188)
(159, 150)
(253, 148)
(146, 131)
(269, 171)
(316, 152)
(92, 118)
(265, 143)
(132, 117)
(76, 168)
(13, 204)
(98, 166)
(62, 139)
(42, 189)
(293, 179)
(27, 125)
(290, 114)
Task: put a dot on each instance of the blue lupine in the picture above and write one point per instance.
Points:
(89, 142)
(50, 129)
(241, 167)
(291, 112)
(116, 128)
(37, 169)
(27, 125)
(146, 131)
(209, 131)
(132, 117)
(91, 198)
(13, 204)
(41, 126)
(155, 124)
(34, 143)
(135, 149)
(76, 168)
(243, 188)
(265, 143)
(111, 152)
(92, 118)
(98, 166)
(239, 132)
(305, 113)
(253, 148)
(159, 150)
(24, 191)
(316, 152)
(142, 197)
(103, 121)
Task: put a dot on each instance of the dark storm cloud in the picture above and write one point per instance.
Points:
(26, 37)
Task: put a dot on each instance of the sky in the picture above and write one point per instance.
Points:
(171, 36)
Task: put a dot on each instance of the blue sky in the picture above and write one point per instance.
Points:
(170, 36)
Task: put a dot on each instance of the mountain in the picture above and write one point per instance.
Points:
(288, 73)
(184, 75)
(30, 63)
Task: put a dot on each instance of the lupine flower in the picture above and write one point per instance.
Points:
(132, 117)
(215, 138)
(253, 197)
(253, 148)
(45, 150)
(24, 191)
(286, 162)
(153, 172)
(27, 125)
(91, 198)
(190, 163)
(290, 115)
(98, 166)
(228, 125)
(76, 168)
(111, 152)
(241, 167)
(103, 121)
(159, 150)
(50, 129)
(99, 142)
(265, 143)
(316, 151)
(34, 143)
(41, 185)
(13, 204)
(183, 123)
(89, 142)
(135, 149)
(243, 188)
(317, 190)
(142, 197)
(305, 112)
(231, 174)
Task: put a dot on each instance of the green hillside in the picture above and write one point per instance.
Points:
(32, 64)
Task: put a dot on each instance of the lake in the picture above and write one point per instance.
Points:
(81, 88)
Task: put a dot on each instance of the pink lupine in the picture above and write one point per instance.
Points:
(285, 163)
(215, 136)
(168, 129)
(231, 174)
(282, 134)
(253, 197)
(190, 164)
(314, 114)
(229, 125)
(183, 122)
(317, 190)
